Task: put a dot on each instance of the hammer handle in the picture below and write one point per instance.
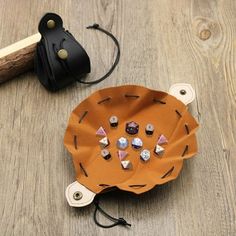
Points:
(18, 57)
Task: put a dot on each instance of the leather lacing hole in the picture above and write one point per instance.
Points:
(137, 185)
(75, 142)
(104, 185)
(185, 151)
(186, 128)
(178, 113)
(168, 173)
(83, 170)
(104, 100)
(158, 101)
(131, 96)
(83, 116)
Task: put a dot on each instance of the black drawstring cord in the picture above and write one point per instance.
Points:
(97, 27)
(119, 221)
(66, 66)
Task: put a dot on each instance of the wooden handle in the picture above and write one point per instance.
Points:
(18, 57)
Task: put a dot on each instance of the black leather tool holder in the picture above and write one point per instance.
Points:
(60, 60)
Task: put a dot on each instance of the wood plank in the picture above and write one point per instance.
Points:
(162, 42)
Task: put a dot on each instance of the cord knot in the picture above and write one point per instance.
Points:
(94, 26)
(122, 221)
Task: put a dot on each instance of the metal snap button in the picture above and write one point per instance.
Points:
(62, 54)
(182, 92)
(77, 195)
(51, 24)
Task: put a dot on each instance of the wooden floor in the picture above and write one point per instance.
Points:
(162, 42)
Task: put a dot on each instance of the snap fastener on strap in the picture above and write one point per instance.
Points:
(55, 47)
(51, 24)
(62, 54)
(60, 60)
(78, 195)
(183, 92)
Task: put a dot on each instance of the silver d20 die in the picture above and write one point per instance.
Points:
(122, 143)
(137, 143)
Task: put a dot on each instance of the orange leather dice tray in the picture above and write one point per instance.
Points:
(169, 116)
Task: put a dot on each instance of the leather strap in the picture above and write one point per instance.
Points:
(48, 64)
(55, 71)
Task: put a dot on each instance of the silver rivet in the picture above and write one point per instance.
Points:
(62, 54)
(77, 195)
(182, 92)
(51, 24)
(122, 154)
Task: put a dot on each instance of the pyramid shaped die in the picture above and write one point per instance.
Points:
(101, 132)
(162, 140)
(122, 154)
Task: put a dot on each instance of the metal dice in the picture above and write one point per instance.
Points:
(126, 164)
(105, 154)
(113, 121)
(137, 143)
(149, 129)
(101, 132)
(104, 142)
(122, 154)
(122, 143)
(159, 150)
(139, 151)
(162, 140)
(132, 128)
(145, 155)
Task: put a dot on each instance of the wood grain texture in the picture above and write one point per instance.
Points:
(18, 57)
(17, 63)
(162, 42)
